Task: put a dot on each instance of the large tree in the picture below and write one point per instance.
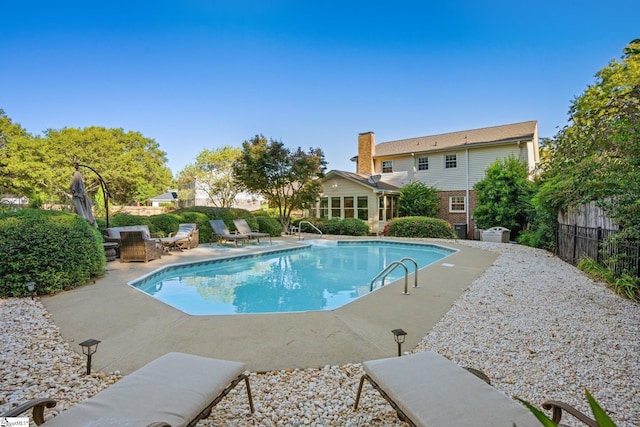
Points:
(596, 157)
(287, 179)
(41, 168)
(212, 174)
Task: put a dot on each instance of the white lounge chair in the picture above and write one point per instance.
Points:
(174, 390)
(427, 389)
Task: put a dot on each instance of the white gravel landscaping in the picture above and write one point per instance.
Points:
(538, 327)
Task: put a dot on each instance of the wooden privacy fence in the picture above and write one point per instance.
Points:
(575, 242)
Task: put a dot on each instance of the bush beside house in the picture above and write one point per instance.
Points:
(419, 226)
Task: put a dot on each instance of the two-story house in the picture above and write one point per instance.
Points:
(451, 162)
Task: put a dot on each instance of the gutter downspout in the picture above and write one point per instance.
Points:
(466, 151)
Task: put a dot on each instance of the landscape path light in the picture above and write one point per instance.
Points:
(31, 287)
(89, 347)
(399, 336)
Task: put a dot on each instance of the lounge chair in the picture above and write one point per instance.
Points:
(186, 237)
(176, 389)
(243, 228)
(427, 389)
(135, 246)
(223, 234)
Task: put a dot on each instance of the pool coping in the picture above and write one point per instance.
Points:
(135, 329)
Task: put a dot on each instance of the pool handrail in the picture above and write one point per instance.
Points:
(312, 226)
(388, 269)
(415, 271)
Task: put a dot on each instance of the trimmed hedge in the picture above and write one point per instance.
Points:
(56, 250)
(346, 227)
(342, 227)
(419, 226)
(268, 224)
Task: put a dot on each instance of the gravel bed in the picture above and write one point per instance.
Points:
(537, 326)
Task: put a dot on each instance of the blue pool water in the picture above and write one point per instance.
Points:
(322, 276)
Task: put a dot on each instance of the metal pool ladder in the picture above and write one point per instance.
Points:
(312, 226)
(392, 266)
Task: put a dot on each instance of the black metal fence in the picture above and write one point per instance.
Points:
(575, 242)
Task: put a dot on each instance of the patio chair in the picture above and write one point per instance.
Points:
(134, 246)
(243, 228)
(186, 237)
(176, 389)
(427, 389)
(223, 234)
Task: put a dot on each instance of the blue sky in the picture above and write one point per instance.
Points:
(203, 74)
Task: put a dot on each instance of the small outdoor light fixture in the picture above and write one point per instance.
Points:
(399, 335)
(31, 287)
(89, 347)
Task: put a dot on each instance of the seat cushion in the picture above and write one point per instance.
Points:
(174, 388)
(114, 232)
(433, 391)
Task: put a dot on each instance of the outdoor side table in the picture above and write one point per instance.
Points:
(110, 250)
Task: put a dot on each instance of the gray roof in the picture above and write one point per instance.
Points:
(490, 135)
(169, 196)
(362, 179)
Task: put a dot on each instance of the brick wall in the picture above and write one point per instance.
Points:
(366, 148)
(458, 218)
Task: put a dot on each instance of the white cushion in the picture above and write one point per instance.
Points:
(435, 392)
(174, 388)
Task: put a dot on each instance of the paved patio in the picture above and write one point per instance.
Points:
(134, 328)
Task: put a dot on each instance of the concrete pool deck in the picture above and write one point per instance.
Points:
(134, 328)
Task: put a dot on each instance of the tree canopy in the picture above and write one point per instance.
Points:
(212, 174)
(41, 167)
(287, 179)
(596, 157)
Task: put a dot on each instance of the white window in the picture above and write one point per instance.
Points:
(423, 163)
(450, 161)
(457, 204)
(387, 166)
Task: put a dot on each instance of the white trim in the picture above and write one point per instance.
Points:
(464, 198)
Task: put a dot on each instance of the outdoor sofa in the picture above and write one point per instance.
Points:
(174, 390)
(135, 243)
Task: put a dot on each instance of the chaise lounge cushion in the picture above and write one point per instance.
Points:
(174, 389)
(433, 391)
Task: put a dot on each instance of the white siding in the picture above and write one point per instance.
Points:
(453, 179)
(480, 159)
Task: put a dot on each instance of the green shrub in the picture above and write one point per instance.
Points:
(267, 224)
(624, 284)
(121, 220)
(418, 199)
(346, 227)
(164, 224)
(419, 226)
(57, 250)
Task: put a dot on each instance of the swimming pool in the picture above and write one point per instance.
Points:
(321, 276)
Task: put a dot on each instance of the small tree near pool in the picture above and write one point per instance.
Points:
(418, 199)
(287, 179)
(504, 196)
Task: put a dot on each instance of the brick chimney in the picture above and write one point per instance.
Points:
(366, 150)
